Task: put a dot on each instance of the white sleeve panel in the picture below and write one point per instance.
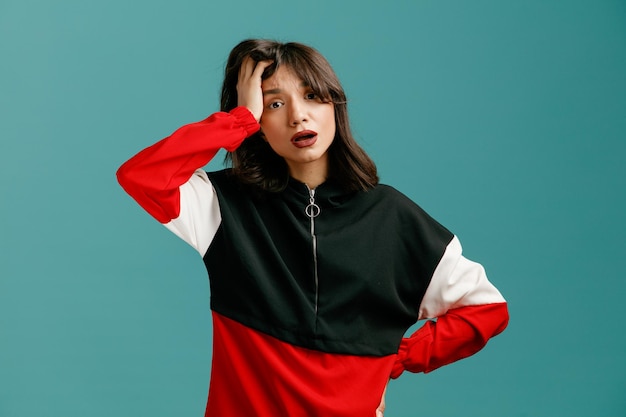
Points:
(457, 282)
(199, 216)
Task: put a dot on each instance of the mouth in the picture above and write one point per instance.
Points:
(304, 138)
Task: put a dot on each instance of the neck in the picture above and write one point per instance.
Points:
(312, 174)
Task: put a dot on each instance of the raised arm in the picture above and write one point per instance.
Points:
(153, 176)
(468, 310)
(166, 178)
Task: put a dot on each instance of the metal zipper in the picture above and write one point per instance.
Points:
(312, 211)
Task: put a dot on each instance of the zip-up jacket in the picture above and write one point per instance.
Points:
(312, 290)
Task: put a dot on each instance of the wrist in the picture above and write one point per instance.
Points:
(246, 119)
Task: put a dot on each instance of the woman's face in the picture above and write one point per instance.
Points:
(297, 124)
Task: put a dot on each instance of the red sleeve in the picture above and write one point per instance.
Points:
(457, 334)
(154, 175)
(468, 311)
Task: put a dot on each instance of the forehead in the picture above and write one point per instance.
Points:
(283, 78)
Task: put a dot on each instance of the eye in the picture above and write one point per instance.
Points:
(275, 105)
(311, 96)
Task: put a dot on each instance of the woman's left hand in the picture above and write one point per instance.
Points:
(381, 407)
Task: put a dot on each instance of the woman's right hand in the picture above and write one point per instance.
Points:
(249, 93)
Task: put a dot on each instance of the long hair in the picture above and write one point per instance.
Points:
(254, 162)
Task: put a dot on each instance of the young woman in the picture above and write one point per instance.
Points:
(316, 270)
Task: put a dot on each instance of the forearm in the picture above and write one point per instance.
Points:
(457, 334)
(468, 311)
(154, 175)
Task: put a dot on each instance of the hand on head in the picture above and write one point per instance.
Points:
(249, 93)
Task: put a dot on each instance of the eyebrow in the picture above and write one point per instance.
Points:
(278, 90)
(272, 91)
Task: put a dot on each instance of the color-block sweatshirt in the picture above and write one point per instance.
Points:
(312, 291)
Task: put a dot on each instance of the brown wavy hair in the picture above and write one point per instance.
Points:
(254, 162)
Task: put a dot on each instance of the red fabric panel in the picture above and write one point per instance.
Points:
(254, 374)
(152, 177)
(459, 333)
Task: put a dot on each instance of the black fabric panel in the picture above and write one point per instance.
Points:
(376, 253)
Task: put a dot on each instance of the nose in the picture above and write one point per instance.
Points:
(297, 114)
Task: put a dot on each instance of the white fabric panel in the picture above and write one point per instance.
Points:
(199, 216)
(457, 282)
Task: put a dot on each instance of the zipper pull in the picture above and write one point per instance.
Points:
(312, 210)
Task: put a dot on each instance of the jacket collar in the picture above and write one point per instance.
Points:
(327, 194)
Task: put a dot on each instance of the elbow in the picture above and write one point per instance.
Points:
(130, 182)
(124, 175)
(487, 320)
(494, 320)
(129, 178)
(503, 315)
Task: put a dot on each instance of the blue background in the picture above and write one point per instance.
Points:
(506, 120)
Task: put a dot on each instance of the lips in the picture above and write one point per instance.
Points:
(304, 138)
